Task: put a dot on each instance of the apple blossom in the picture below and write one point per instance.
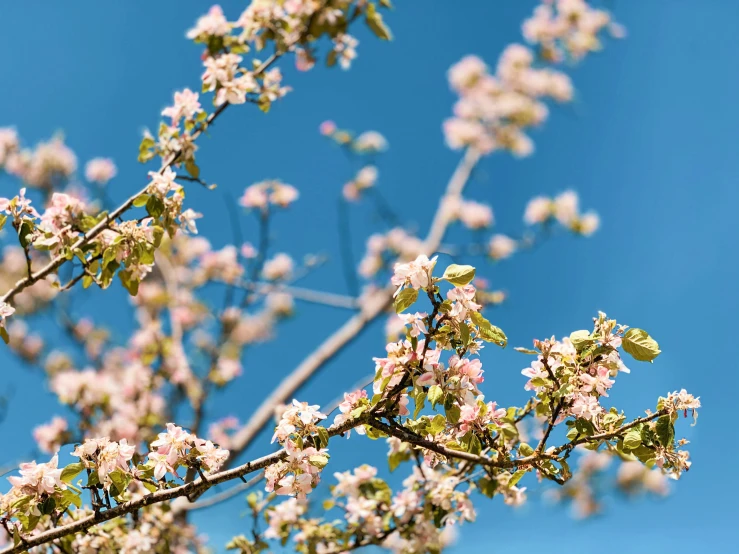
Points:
(100, 170)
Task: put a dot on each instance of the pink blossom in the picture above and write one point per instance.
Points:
(278, 267)
(100, 170)
(501, 247)
(327, 128)
(214, 23)
(403, 405)
(36, 479)
(186, 105)
(416, 322)
(49, 436)
(538, 210)
(585, 406)
(417, 273)
(370, 141)
(475, 215)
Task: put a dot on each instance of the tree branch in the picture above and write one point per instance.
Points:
(198, 486)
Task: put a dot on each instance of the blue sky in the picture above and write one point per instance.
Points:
(650, 143)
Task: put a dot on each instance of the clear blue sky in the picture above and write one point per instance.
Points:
(651, 144)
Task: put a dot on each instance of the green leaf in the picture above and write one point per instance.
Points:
(487, 486)
(318, 461)
(48, 506)
(331, 58)
(459, 275)
(452, 414)
(525, 449)
(72, 471)
(632, 439)
(4, 334)
(154, 206)
(375, 22)
(395, 459)
(192, 168)
(435, 395)
(487, 331)
(464, 334)
(323, 437)
(405, 299)
(120, 480)
(26, 229)
(70, 497)
(129, 283)
(516, 477)
(438, 423)
(525, 350)
(141, 200)
(420, 403)
(640, 345)
(665, 431)
(3, 219)
(581, 339)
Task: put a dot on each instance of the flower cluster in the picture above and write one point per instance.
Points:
(261, 195)
(100, 170)
(383, 249)
(176, 447)
(495, 111)
(301, 471)
(364, 179)
(565, 209)
(568, 28)
(45, 167)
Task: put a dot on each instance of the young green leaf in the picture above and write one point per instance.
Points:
(459, 275)
(640, 345)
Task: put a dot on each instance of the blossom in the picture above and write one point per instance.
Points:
(254, 197)
(36, 479)
(345, 48)
(162, 183)
(214, 23)
(186, 105)
(417, 273)
(49, 437)
(566, 207)
(187, 220)
(327, 128)
(538, 210)
(597, 380)
(300, 416)
(100, 170)
(370, 141)
(6, 310)
(501, 247)
(416, 322)
(588, 223)
(352, 400)
(585, 406)
(283, 195)
(278, 267)
(475, 215)
(466, 73)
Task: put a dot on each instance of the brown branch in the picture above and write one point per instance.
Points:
(407, 436)
(198, 486)
(610, 434)
(182, 504)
